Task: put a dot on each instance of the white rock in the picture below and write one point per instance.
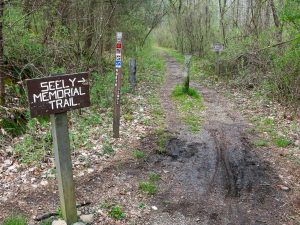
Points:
(284, 188)
(87, 218)
(7, 163)
(154, 207)
(90, 170)
(59, 222)
(44, 183)
(79, 223)
(32, 169)
(12, 168)
(9, 149)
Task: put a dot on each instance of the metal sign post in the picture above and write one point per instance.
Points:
(117, 88)
(218, 48)
(55, 96)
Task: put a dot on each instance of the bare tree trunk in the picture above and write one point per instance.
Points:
(276, 21)
(237, 14)
(267, 15)
(222, 12)
(27, 9)
(65, 10)
(2, 75)
(90, 24)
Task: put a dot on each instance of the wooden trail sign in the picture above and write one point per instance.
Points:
(58, 94)
(117, 88)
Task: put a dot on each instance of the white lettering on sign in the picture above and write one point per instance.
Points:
(59, 95)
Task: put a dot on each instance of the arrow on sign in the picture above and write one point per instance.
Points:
(82, 81)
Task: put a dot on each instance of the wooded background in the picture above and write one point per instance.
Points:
(41, 37)
(261, 39)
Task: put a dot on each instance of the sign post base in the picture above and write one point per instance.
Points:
(63, 164)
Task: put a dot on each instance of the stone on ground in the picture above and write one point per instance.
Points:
(59, 222)
(87, 218)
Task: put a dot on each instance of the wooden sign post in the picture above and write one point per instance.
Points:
(55, 96)
(218, 48)
(117, 88)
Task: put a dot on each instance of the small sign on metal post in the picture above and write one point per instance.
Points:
(218, 48)
(56, 95)
(117, 88)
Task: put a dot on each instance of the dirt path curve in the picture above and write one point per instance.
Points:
(213, 176)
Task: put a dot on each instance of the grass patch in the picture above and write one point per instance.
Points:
(138, 154)
(189, 105)
(268, 126)
(282, 142)
(179, 91)
(128, 117)
(261, 143)
(148, 187)
(162, 139)
(117, 213)
(108, 149)
(15, 220)
(153, 177)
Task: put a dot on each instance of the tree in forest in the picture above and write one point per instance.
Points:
(2, 73)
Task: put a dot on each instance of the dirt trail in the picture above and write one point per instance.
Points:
(213, 176)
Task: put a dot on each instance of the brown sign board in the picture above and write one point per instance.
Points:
(57, 94)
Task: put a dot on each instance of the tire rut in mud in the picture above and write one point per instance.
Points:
(217, 179)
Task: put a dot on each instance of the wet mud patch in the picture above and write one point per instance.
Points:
(217, 176)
